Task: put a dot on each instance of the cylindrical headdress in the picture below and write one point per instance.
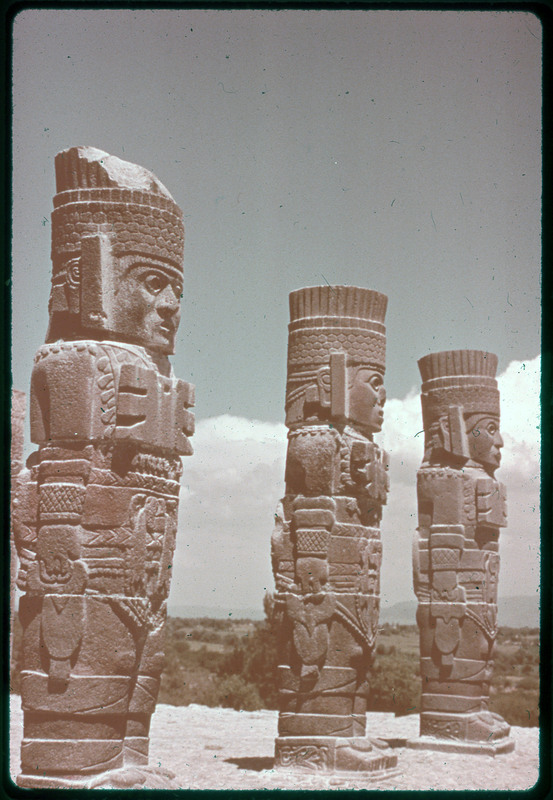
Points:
(97, 192)
(332, 319)
(105, 208)
(461, 378)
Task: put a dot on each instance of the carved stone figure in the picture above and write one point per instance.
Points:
(96, 515)
(456, 560)
(19, 401)
(326, 547)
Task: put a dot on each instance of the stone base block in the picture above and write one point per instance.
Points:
(132, 777)
(489, 748)
(476, 732)
(135, 750)
(328, 754)
(48, 782)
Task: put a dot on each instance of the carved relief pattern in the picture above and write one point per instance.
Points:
(456, 564)
(95, 514)
(326, 548)
(18, 405)
(307, 756)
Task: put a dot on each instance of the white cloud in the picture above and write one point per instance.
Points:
(232, 483)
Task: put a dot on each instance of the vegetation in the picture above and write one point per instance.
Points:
(241, 674)
(236, 669)
(233, 663)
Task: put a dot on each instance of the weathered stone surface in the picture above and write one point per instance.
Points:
(193, 742)
(456, 560)
(19, 402)
(326, 548)
(96, 515)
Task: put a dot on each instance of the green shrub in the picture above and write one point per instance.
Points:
(189, 685)
(244, 676)
(234, 692)
(256, 658)
(395, 684)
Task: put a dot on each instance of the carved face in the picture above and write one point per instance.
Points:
(147, 302)
(366, 399)
(311, 574)
(484, 440)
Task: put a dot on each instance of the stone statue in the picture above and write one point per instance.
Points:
(326, 547)
(96, 515)
(456, 560)
(19, 401)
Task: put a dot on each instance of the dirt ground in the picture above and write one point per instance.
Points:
(218, 748)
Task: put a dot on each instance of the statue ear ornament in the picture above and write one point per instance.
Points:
(453, 432)
(97, 266)
(324, 389)
(66, 287)
(338, 385)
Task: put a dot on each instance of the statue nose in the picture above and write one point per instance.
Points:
(168, 300)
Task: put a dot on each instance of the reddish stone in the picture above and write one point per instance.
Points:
(326, 547)
(95, 514)
(456, 562)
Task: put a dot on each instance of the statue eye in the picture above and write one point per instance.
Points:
(491, 428)
(154, 282)
(376, 381)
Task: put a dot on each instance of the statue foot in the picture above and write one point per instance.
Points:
(362, 755)
(487, 726)
(134, 777)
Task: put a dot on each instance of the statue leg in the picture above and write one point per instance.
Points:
(75, 706)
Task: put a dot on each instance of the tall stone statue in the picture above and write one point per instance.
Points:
(326, 547)
(456, 560)
(96, 515)
(19, 402)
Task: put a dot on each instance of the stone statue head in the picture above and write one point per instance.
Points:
(117, 253)
(336, 357)
(460, 407)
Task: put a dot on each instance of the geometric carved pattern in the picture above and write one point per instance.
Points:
(63, 498)
(158, 230)
(445, 558)
(313, 347)
(313, 542)
(107, 538)
(148, 481)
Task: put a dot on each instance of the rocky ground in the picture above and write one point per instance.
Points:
(218, 748)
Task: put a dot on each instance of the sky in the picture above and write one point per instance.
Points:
(396, 150)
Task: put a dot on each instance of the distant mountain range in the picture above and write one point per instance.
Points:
(521, 611)
(215, 612)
